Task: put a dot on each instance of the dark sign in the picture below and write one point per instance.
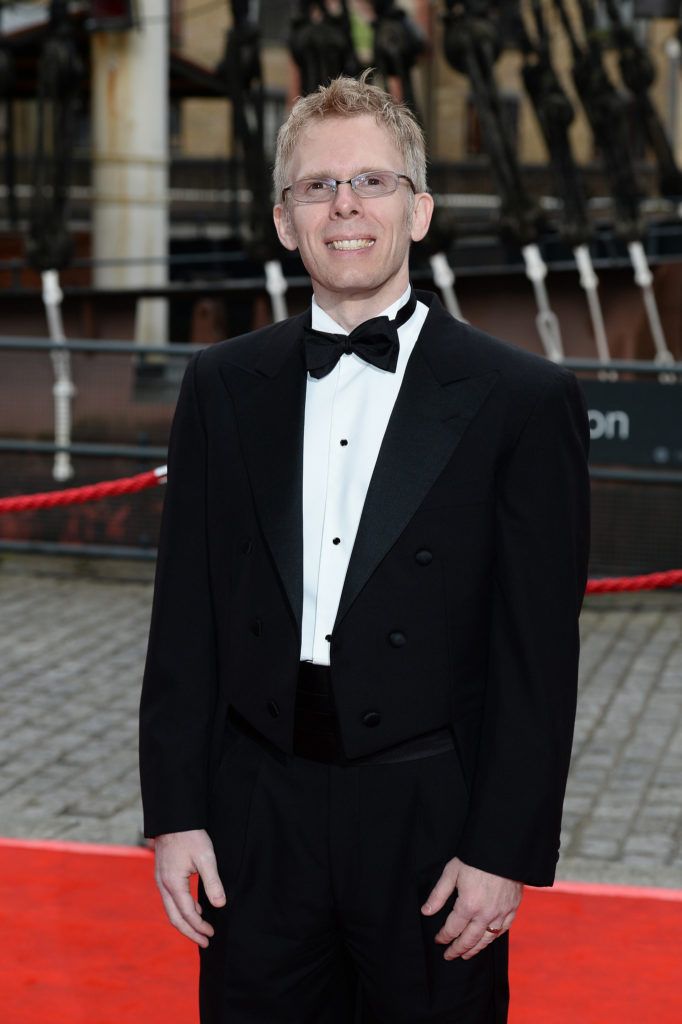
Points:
(657, 8)
(111, 15)
(635, 423)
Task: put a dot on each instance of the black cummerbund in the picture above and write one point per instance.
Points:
(316, 732)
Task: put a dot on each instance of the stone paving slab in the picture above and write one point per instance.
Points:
(72, 644)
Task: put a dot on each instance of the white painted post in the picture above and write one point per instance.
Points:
(590, 282)
(444, 278)
(63, 389)
(130, 161)
(644, 278)
(546, 319)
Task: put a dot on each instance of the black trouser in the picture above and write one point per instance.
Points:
(326, 867)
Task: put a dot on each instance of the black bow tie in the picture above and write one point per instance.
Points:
(375, 341)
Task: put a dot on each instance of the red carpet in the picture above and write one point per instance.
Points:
(84, 941)
(594, 954)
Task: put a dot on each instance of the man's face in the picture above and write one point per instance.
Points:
(384, 226)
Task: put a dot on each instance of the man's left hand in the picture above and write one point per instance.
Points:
(484, 909)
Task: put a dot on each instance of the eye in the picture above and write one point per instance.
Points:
(374, 183)
(316, 185)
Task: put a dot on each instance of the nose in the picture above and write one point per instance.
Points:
(345, 202)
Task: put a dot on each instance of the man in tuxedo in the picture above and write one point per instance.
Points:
(360, 686)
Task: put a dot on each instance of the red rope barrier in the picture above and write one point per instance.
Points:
(78, 495)
(132, 484)
(620, 584)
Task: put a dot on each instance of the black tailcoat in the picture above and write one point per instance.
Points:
(461, 600)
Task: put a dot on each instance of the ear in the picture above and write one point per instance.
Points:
(285, 228)
(421, 215)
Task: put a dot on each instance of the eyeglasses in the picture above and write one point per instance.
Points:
(368, 185)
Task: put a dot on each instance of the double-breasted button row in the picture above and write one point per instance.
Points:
(397, 638)
(424, 556)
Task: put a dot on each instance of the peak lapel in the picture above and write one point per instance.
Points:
(426, 425)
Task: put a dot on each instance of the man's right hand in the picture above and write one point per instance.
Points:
(178, 856)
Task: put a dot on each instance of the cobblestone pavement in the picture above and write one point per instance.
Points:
(72, 643)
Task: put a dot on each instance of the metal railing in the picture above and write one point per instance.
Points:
(163, 357)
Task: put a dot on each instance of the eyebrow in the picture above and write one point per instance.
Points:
(328, 174)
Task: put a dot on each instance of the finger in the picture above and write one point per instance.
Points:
(184, 905)
(441, 892)
(178, 921)
(486, 939)
(507, 922)
(207, 866)
(455, 923)
(500, 928)
(466, 940)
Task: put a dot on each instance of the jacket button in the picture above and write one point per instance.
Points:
(397, 639)
(247, 546)
(371, 719)
(424, 556)
(256, 627)
(273, 708)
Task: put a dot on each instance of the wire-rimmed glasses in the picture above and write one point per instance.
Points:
(368, 185)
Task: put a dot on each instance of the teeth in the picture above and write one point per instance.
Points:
(352, 243)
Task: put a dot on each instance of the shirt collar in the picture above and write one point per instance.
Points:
(321, 321)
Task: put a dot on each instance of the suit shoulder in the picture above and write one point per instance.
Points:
(466, 348)
(525, 380)
(246, 351)
(514, 363)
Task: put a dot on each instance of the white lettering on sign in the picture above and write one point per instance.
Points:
(613, 425)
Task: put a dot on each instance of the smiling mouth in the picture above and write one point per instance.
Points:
(345, 244)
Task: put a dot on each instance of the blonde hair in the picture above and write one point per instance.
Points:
(351, 97)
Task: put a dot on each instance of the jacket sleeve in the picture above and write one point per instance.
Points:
(540, 573)
(179, 685)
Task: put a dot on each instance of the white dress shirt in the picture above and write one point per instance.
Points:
(346, 415)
